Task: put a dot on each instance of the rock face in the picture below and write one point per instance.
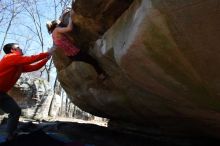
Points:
(162, 57)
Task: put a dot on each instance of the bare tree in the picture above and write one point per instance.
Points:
(33, 11)
(14, 10)
(65, 3)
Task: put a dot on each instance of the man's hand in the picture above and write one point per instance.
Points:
(51, 50)
(49, 56)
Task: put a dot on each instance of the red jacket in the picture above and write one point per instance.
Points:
(13, 64)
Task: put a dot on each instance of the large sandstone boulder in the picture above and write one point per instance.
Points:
(162, 57)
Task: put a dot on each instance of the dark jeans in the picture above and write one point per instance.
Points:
(85, 57)
(8, 105)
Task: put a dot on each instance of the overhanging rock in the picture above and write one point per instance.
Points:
(162, 57)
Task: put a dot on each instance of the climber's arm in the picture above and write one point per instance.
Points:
(65, 29)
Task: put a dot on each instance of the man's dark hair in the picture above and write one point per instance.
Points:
(7, 47)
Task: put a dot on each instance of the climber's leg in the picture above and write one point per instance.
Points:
(85, 57)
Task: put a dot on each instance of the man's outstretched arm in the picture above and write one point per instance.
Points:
(15, 59)
(34, 67)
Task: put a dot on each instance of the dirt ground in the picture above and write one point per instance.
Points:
(96, 133)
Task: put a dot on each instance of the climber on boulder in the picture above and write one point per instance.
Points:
(12, 65)
(58, 30)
